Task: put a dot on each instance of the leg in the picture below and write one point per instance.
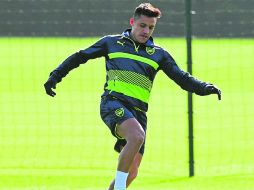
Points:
(133, 171)
(132, 131)
(134, 135)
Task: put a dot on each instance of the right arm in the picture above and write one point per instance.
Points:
(96, 50)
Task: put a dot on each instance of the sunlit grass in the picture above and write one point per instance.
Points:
(61, 142)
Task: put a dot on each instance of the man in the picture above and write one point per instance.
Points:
(132, 61)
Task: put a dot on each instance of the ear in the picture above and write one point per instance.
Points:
(131, 21)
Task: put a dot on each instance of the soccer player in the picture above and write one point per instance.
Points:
(132, 62)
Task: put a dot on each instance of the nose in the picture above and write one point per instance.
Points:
(146, 30)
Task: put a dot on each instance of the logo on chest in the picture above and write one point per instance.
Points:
(150, 50)
(121, 43)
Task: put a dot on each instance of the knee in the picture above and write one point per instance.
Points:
(139, 137)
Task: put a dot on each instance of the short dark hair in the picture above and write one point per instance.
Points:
(148, 10)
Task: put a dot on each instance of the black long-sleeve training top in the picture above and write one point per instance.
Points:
(131, 68)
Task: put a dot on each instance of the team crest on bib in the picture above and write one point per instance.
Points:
(119, 112)
(150, 50)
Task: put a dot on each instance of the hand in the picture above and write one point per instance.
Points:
(211, 89)
(51, 83)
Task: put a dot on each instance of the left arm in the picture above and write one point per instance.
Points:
(185, 80)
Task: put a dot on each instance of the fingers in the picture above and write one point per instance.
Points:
(48, 89)
(50, 92)
(211, 89)
(215, 90)
(219, 94)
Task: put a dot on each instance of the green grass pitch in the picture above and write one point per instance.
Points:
(61, 142)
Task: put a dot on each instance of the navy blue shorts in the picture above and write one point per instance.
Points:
(114, 112)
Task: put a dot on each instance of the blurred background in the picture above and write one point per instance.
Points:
(84, 18)
(61, 142)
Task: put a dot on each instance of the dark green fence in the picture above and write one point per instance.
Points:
(212, 18)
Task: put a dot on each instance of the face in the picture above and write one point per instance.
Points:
(142, 28)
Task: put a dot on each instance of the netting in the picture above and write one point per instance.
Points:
(65, 137)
